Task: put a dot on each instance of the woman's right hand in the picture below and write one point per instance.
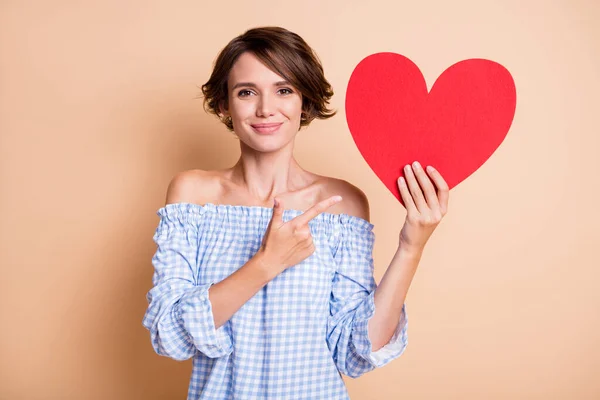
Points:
(287, 243)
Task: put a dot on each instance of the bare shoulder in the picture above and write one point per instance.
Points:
(192, 186)
(354, 200)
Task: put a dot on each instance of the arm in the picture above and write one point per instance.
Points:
(233, 292)
(229, 295)
(390, 296)
(352, 304)
(426, 205)
(179, 315)
(184, 315)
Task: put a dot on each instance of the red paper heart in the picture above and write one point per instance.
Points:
(455, 128)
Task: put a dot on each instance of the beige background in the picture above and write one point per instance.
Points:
(98, 112)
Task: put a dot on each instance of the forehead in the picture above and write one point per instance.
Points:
(248, 68)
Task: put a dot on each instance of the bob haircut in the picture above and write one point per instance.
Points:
(286, 54)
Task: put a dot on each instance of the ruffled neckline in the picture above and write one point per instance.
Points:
(260, 212)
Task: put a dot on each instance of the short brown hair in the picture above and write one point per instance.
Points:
(286, 54)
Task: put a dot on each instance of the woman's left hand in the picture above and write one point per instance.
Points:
(425, 205)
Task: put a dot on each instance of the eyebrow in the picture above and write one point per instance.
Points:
(253, 85)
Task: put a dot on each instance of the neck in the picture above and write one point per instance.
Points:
(265, 175)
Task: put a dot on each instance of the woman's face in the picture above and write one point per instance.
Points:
(264, 108)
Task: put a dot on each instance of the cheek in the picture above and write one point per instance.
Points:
(241, 108)
(294, 109)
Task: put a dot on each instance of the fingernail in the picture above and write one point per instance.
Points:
(416, 164)
(407, 167)
(337, 198)
(430, 168)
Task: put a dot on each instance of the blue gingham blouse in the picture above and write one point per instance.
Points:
(295, 336)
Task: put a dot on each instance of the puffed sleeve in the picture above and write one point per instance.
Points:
(352, 303)
(179, 314)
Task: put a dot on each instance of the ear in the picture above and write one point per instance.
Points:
(223, 109)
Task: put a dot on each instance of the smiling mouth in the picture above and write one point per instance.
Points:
(266, 128)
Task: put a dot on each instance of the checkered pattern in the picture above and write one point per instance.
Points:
(295, 336)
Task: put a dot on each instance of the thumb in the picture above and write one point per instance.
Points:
(277, 210)
(276, 218)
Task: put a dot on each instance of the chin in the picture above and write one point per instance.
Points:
(267, 143)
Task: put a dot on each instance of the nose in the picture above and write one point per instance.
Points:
(265, 106)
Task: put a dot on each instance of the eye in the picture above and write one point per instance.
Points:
(285, 91)
(244, 93)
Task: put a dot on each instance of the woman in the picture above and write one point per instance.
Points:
(263, 274)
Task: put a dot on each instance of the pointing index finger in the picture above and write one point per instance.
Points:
(316, 210)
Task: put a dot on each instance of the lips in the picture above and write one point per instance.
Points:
(266, 128)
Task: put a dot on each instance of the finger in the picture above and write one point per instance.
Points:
(442, 188)
(426, 186)
(316, 210)
(415, 189)
(277, 212)
(275, 217)
(405, 193)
